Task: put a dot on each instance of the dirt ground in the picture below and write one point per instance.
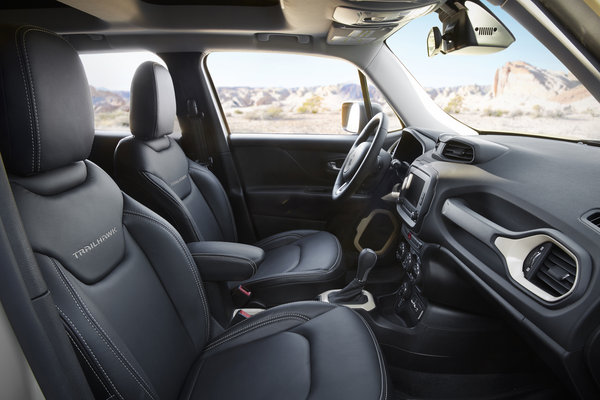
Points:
(582, 126)
(578, 126)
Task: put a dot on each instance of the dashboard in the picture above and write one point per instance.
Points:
(519, 216)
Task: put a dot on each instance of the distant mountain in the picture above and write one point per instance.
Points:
(233, 97)
(106, 101)
(516, 87)
(519, 78)
(519, 87)
(465, 91)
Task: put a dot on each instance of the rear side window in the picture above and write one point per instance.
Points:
(286, 93)
(109, 76)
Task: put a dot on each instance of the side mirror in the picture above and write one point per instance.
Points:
(354, 115)
(472, 29)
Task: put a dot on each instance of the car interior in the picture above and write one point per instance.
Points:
(298, 241)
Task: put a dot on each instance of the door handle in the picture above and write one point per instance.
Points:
(335, 166)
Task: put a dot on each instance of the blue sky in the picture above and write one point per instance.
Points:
(270, 69)
(409, 44)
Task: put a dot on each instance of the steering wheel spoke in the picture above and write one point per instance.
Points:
(361, 159)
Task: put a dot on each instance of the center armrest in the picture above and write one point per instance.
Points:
(226, 261)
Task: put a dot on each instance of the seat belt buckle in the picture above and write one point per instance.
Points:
(241, 296)
(239, 316)
(208, 163)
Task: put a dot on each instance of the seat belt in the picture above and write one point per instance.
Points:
(364, 86)
(198, 134)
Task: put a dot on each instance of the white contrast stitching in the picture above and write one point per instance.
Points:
(27, 101)
(34, 102)
(190, 263)
(25, 82)
(211, 255)
(291, 275)
(72, 325)
(279, 237)
(122, 359)
(252, 326)
(74, 342)
(194, 167)
(175, 201)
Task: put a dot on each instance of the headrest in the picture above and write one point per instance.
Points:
(152, 110)
(47, 116)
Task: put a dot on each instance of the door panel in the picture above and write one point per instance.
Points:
(288, 181)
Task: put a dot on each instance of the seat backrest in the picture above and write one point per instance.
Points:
(151, 167)
(123, 281)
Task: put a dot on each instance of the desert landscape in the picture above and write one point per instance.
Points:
(521, 98)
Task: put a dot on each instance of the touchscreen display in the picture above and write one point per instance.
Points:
(414, 189)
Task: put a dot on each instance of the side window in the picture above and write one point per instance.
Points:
(109, 76)
(286, 93)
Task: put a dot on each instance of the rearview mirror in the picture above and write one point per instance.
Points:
(434, 41)
(472, 29)
(354, 115)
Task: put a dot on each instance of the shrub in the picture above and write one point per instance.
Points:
(455, 104)
(253, 115)
(490, 112)
(555, 114)
(311, 105)
(516, 113)
(273, 112)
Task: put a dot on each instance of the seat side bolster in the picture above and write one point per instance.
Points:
(173, 264)
(174, 209)
(218, 201)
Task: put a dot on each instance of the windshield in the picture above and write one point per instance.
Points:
(522, 89)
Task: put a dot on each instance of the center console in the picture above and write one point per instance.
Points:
(408, 304)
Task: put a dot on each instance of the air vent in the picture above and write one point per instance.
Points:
(593, 219)
(457, 151)
(551, 269)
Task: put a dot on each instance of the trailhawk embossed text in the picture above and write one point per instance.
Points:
(95, 243)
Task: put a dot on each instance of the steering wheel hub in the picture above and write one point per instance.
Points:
(355, 158)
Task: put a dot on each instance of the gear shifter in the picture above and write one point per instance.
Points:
(352, 293)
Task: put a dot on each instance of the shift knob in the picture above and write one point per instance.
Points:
(352, 293)
(366, 261)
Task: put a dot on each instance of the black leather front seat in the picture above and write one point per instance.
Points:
(123, 280)
(151, 167)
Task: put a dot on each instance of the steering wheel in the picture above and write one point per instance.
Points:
(362, 158)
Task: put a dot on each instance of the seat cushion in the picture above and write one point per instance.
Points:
(298, 265)
(307, 350)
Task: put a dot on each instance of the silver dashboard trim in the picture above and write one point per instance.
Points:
(516, 250)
